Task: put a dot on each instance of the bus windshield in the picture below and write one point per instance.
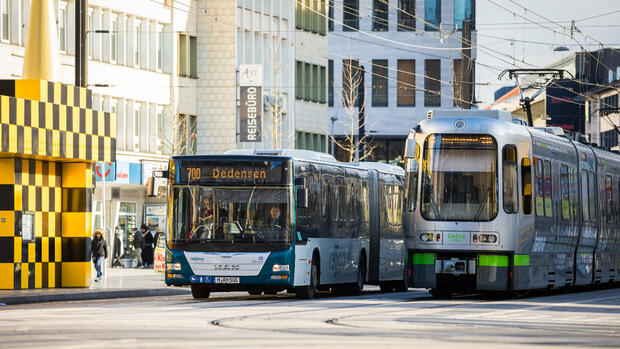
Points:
(227, 215)
(459, 178)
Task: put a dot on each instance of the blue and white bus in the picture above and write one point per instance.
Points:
(268, 221)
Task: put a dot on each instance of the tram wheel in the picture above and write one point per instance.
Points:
(199, 292)
(441, 293)
(385, 288)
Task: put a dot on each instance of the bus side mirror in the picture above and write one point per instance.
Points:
(150, 187)
(302, 198)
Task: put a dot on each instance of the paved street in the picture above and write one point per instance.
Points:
(373, 320)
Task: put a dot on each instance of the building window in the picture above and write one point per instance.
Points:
(432, 14)
(159, 130)
(432, 97)
(137, 40)
(380, 16)
(351, 75)
(187, 134)
(113, 37)
(310, 82)
(464, 10)
(406, 15)
(62, 26)
(406, 83)
(187, 56)
(330, 78)
(609, 139)
(137, 109)
(310, 15)
(127, 43)
(5, 18)
(160, 45)
(379, 83)
(330, 22)
(350, 15)
(90, 33)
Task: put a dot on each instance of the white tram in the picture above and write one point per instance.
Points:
(493, 205)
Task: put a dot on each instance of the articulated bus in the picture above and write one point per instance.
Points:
(295, 220)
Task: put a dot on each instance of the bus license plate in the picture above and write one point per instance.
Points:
(227, 280)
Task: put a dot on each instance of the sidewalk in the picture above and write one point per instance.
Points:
(116, 283)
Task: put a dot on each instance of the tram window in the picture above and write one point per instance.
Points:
(509, 172)
(526, 185)
(412, 184)
(564, 186)
(585, 212)
(548, 189)
(609, 201)
(540, 184)
(592, 196)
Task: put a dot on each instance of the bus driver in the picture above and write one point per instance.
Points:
(276, 223)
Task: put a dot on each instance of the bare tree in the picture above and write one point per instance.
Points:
(275, 108)
(177, 132)
(351, 143)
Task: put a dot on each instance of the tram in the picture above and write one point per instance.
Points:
(295, 220)
(494, 205)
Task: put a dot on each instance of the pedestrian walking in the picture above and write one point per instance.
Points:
(138, 244)
(99, 252)
(147, 250)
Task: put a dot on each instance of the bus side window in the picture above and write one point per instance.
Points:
(585, 213)
(509, 173)
(526, 185)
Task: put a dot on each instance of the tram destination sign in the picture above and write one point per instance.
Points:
(232, 173)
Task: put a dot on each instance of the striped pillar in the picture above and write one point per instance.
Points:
(76, 223)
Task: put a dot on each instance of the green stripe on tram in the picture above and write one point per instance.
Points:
(522, 260)
(491, 260)
(424, 258)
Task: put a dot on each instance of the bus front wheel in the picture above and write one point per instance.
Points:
(308, 292)
(200, 292)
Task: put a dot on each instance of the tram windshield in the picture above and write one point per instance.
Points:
(230, 216)
(459, 178)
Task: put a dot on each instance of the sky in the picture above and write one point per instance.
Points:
(497, 28)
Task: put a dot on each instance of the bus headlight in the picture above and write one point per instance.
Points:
(280, 267)
(173, 266)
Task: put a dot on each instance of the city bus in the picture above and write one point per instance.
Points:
(295, 220)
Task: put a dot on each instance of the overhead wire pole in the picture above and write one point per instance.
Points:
(466, 85)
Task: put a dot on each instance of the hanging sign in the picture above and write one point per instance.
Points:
(251, 103)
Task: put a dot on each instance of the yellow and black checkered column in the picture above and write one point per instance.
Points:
(49, 138)
(76, 223)
(30, 262)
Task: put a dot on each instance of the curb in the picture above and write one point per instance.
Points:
(95, 295)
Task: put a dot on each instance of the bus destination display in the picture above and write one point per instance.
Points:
(229, 172)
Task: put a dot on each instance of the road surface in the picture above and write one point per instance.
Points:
(373, 320)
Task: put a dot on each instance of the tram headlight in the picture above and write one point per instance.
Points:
(485, 238)
(492, 239)
(424, 237)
